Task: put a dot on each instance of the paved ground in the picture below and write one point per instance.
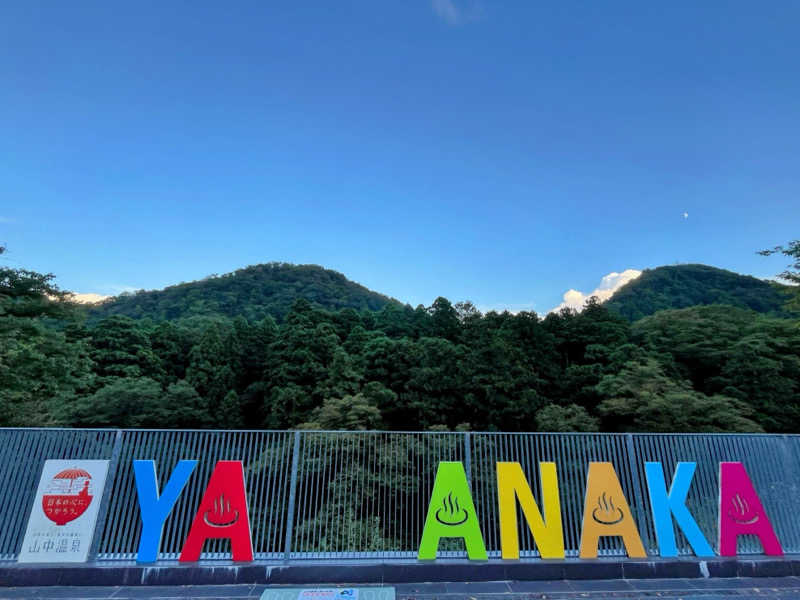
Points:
(672, 589)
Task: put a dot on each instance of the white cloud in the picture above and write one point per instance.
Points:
(112, 289)
(608, 285)
(452, 13)
(88, 298)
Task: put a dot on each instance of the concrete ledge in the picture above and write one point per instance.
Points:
(127, 574)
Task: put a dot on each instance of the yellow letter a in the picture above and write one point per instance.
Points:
(606, 512)
(549, 535)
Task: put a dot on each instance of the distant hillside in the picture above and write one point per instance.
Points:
(252, 292)
(683, 286)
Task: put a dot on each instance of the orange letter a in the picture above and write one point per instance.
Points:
(606, 512)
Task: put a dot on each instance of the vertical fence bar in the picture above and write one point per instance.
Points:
(106, 497)
(638, 491)
(468, 459)
(292, 491)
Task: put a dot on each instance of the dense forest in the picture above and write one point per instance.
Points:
(249, 364)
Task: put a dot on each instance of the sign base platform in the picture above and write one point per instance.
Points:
(328, 593)
(388, 573)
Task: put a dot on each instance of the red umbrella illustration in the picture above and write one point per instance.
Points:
(67, 496)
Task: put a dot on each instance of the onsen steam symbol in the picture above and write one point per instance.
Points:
(222, 515)
(451, 512)
(741, 512)
(606, 513)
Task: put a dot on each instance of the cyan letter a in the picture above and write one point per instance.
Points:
(153, 507)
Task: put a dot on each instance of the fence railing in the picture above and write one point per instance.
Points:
(351, 495)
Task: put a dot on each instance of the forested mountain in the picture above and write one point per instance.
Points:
(445, 366)
(270, 289)
(682, 286)
(253, 293)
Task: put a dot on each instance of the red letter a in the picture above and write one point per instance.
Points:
(222, 514)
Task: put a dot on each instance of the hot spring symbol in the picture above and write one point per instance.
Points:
(606, 513)
(741, 512)
(67, 496)
(221, 515)
(451, 512)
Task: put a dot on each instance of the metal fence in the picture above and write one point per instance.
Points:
(364, 495)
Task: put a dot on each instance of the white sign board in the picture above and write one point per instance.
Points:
(281, 592)
(64, 511)
(328, 594)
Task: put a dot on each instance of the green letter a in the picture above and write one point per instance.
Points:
(451, 514)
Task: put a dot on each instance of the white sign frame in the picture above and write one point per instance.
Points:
(63, 490)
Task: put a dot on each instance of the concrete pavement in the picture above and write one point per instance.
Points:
(668, 589)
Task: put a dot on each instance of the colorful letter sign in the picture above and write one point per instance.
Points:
(451, 514)
(665, 505)
(512, 486)
(155, 508)
(606, 513)
(222, 514)
(740, 512)
(69, 497)
(64, 512)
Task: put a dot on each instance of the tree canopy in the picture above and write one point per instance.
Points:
(253, 292)
(446, 366)
(682, 286)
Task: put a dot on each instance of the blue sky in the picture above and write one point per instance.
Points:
(502, 152)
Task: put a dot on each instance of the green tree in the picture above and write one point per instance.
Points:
(301, 356)
(734, 352)
(792, 250)
(342, 379)
(183, 408)
(445, 321)
(792, 272)
(121, 402)
(253, 343)
(40, 368)
(229, 415)
(212, 366)
(32, 295)
(352, 413)
(171, 343)
(642, 398)
(433, 391)
(566, 418)
(120, 347)
(39, 371)
(286, 406)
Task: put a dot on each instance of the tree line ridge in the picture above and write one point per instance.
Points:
(285, 346)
